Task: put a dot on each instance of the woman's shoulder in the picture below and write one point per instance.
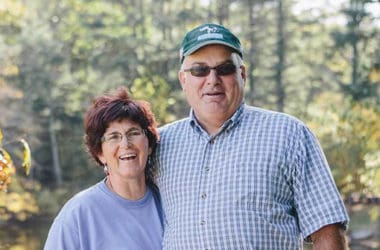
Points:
(80, 201)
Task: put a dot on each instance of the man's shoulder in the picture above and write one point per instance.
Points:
(270, 115)
(175, 125)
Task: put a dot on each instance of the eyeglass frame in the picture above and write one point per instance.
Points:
(129, 138)
(216, 68)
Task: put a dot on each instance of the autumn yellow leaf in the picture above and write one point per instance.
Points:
(374, 75)
(6, 158)
(27, 159)
(6, 169)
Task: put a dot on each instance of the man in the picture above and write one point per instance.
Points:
(234, 176)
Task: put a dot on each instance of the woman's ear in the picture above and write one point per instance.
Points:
(102, 159)
(150, 151)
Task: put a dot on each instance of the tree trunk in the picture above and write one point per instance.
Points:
(281, 57)
(355, 57)
(54, 152)
(251, 53)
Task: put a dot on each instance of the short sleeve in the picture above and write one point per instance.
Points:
(62, 236)
(317, 199)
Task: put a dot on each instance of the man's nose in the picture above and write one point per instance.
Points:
(213, 77)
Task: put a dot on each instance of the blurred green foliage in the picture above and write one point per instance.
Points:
(56, 55)
(349, 132)
(19, 202)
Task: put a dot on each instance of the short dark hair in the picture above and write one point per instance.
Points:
(118, 106)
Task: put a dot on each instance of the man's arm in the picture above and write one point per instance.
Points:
(330, 237)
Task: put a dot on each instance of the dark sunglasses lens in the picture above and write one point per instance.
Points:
(200, 70)
(226, 69)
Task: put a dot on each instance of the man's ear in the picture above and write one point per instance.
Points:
(243, 73)
(182, 79)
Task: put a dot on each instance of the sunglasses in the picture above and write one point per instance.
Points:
(204, 70)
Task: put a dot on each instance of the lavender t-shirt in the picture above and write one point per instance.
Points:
(97, 218)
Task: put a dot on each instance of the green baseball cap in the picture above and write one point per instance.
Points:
(207, 34)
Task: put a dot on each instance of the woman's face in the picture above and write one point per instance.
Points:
(125, 150)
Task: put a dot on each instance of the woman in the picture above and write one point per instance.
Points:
(123, 210)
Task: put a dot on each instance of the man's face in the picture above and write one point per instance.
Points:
(213, 97)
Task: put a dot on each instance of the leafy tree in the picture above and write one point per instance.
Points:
(350, 135)
(6, 163)
(358, 44)
(17, 203)
(56, 56)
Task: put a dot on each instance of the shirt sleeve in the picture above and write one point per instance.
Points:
(62, 236)
(317, 199)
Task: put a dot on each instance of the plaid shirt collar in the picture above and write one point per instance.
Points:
(228, 125)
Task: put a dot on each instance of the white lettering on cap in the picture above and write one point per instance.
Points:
(210, 35)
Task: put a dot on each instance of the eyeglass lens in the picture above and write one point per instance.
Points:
(118, 137)
(204, 70)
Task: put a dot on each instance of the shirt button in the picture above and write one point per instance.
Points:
(204, 196)
(207, 169)
(212, 141)
(203, 222)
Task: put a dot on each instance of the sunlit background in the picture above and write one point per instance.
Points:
(316, 60)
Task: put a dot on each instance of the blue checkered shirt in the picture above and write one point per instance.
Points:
(262, 182)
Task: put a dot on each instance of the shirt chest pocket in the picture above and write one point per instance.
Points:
(256, 186)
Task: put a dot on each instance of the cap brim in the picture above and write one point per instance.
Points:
(209, 42)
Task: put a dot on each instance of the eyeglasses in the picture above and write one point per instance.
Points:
(116, 137)
(204, 70)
